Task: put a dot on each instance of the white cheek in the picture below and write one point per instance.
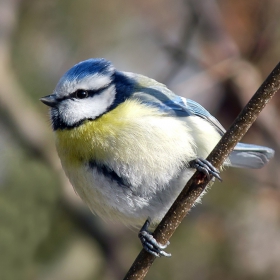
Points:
(73, 111)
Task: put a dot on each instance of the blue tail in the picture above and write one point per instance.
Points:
(250, 156)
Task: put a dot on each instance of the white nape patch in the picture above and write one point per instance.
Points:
(92, 82)
(73, 111)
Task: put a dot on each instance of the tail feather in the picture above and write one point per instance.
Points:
(250, 156)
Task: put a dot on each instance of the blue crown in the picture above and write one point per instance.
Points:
(89, 67)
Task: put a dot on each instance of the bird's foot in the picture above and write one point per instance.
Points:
(205, 167)
(150, 244)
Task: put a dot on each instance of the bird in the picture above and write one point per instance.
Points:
(128, 144)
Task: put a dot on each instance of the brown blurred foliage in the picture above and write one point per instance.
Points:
(215, 52)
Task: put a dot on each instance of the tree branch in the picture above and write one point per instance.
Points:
(197, 184)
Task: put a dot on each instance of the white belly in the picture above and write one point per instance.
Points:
(110, 200)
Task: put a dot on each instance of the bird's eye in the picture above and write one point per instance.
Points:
(81, 93)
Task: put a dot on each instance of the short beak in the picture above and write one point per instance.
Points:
(49, 100)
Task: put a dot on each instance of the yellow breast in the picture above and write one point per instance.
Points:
(133, 136)
(110, 135)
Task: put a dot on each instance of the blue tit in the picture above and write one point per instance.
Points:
(128, 144)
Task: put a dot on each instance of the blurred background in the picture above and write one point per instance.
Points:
(215, 52)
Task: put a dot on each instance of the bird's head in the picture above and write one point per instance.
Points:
(86, 91)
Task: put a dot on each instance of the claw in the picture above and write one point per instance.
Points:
(205, 167)
(150, 244)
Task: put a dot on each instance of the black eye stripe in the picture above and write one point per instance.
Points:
(91, 93)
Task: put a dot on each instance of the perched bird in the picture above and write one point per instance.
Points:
(128, 144)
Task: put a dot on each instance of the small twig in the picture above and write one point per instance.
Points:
(197, 184)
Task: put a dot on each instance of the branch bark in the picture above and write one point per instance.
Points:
(197, 184)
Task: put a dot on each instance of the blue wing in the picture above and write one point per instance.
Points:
(153, 93)
(244, 155)
(164, 99)
(201, 112)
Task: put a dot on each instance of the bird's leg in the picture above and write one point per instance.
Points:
(149, 243)
(205, 167)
